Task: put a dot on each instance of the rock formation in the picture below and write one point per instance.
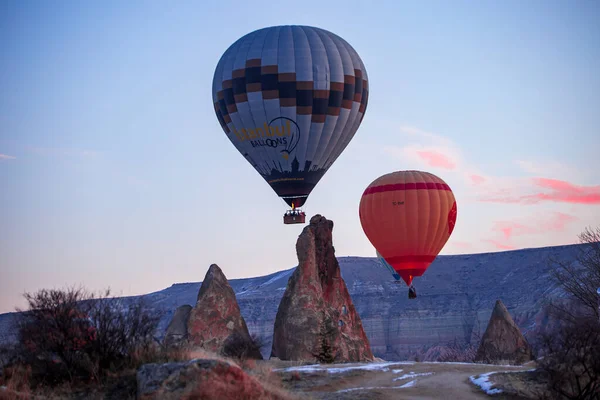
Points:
(200, 379)
(502, 340)
(216, 323)
(316, 319)
(177, 331)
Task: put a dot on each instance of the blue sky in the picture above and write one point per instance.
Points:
(114, 170)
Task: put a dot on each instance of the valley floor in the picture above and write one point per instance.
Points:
(395, 380)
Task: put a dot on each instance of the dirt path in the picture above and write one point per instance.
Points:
(402, 380)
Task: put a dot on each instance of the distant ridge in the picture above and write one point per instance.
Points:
(456, 298)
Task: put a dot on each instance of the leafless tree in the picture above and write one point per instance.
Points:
(72, 335)
(571, 344)
(580, 278)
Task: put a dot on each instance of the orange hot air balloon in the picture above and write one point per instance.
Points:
(408, 216)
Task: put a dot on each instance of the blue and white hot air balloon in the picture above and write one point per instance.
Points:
(290, 99)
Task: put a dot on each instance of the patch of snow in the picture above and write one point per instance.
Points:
(483, 381)
(333, 370)
(397, 371)
(406, 385)
(472, 364)
(301, 368)
(247, 292)
(276, 277)
(412, 375)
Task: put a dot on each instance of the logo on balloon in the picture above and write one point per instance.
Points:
(280, 132)
(293, 132)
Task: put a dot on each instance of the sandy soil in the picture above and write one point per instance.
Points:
(385, 380)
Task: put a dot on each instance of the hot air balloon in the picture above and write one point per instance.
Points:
(290, 99)
(408, 216)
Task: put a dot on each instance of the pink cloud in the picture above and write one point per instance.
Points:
(566, 192)
(556, 191)
(477, 179)
(560, 221)
(508, 229)
(436, 159)
(557, 222)
(6, 157)
(500, 246)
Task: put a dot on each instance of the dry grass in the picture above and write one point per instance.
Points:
(253, 378)
(17, 380)
(231, 379)
(16, 383)
(522, 385)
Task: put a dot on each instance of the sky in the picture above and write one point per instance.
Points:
(115, 172)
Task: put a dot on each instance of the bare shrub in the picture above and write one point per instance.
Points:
(580, 278)
(242, 348)
(456, 351)
(55, 335)
(571, 343)
(124, 330)
(464, 351)
(71, 336)
(572, 360)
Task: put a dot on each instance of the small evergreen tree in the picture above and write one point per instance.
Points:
(325, 354)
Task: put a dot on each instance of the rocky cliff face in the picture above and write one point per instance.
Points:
(216, 319)
(316, 309)
(503, 341)
(456, 298)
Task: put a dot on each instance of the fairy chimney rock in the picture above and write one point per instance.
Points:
(216, 322)
(176, 333)
(502, 340)
(316, 319)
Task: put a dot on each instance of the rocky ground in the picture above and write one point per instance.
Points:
(379, 380)
(397, 380)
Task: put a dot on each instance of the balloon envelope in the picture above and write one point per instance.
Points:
(408, 216)
(290, 99)
(388, 266)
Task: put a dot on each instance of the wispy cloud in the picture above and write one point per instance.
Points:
(509, 229)
(556, 221)
(549, 168)
(6, 157)
(477, 179)
(549, 190)
(427, 150)
(430, 150)
(436, 159)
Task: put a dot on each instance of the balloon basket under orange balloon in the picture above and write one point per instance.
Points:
(412, 293)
